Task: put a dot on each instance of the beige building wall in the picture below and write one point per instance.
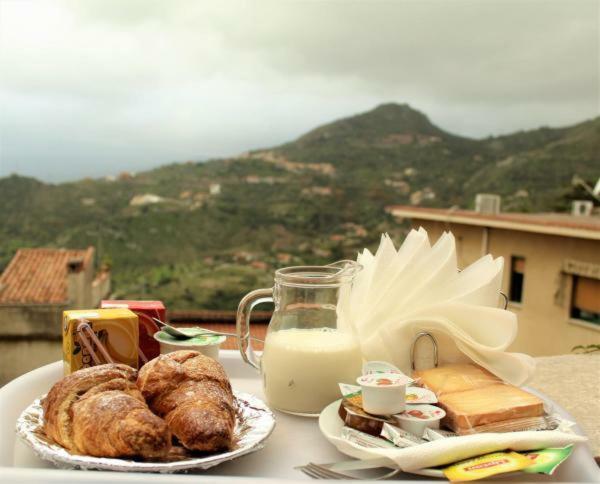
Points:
(20, 356)
(545, 327)
(30, 336)
(34, 321)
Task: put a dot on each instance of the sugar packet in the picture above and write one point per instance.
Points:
(399, 437)
(437, 434)
(364, 440)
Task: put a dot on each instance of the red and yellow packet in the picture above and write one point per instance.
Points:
(486, 466)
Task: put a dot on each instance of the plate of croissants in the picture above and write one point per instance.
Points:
(177, 413)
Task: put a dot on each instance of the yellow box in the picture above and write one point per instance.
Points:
(117, 330)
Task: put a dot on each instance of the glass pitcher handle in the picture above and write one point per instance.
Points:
(242, 324)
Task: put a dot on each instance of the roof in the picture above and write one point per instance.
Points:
(584, 227)
(39, 276)
(213, 316)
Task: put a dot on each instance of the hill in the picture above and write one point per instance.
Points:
(201, 234)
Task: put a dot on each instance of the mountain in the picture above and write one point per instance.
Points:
(201, 234)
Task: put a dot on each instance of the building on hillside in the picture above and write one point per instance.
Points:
(145, 199)
(551, 269)
(315, 190)
(214, 189)
(35, 288)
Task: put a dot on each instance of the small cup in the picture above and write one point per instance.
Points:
(208, 345)
(416, 418)
(383, 393)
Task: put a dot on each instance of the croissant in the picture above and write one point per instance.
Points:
(193, 394)
(99, 411)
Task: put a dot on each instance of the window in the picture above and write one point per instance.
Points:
(585, 303)
(517, 273)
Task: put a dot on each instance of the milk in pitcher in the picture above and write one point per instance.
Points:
(302, 367)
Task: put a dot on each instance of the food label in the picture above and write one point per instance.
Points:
(384, 379)
(145, 311)
(349, 391)
(364, 440)
(359, 412)
(371, 367)
(486, 466)
(115, 329)
(414, 395)
(547, 460)
(419, 395)
(399, 437)
(422, 412)
(437, 434)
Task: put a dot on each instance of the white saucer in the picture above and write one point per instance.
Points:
(331, 426)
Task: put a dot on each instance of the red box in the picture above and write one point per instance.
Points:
(145, 310)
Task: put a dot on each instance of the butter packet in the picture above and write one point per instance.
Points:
(352, 393)
(437, 434)
(349, 391)
(546, 461)
(486, 466)
(364, 440)
(399, 437)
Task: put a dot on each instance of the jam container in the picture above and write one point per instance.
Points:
(416, 418)
(383, 393)
(208, 345)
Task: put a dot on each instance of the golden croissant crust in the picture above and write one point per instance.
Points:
(99, 411)
(193, 394)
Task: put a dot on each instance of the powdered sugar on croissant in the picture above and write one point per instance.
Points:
(193, 394)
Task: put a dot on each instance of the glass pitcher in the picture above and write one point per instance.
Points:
(310, 346)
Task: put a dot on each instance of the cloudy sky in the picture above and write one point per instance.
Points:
(93, 87)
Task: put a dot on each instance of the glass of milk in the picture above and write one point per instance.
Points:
(310, 346)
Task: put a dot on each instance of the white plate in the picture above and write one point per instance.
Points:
(331, 426)
(254, 424)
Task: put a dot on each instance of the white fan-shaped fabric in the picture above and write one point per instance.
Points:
(400, 293)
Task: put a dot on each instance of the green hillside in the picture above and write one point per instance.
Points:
(313, 200)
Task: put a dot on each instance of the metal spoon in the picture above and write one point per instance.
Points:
(192, 334)
(171, 330)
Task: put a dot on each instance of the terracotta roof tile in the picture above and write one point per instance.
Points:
(39, 276)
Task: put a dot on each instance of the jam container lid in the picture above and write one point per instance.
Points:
(383, 380)
(421, 413)
(379, 367)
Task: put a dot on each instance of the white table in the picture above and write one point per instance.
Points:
(295, 441)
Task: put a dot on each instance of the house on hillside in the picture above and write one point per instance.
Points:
(551, 268)
(35, 288)
(145, 199)
(315, 190)
(214, 189)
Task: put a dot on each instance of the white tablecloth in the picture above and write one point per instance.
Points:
(295, 441)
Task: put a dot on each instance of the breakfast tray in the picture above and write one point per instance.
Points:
(295, 441)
